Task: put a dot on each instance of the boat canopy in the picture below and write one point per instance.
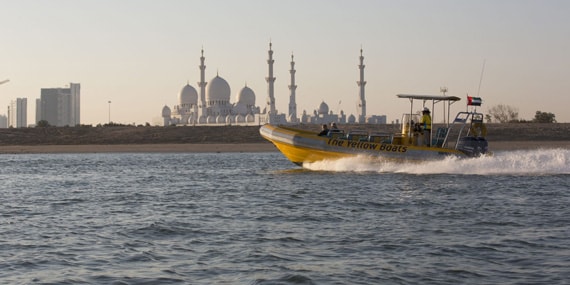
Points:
(434, 99)
(429, 97)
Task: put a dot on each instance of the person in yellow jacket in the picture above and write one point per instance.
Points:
(425, 123)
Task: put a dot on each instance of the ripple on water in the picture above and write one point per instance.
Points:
(257, 219)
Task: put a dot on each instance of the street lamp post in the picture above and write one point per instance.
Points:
(109, 112)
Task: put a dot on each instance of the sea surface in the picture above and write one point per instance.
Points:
(256, 218)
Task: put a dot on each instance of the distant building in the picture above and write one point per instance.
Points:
(270, 113)
(3, 122)
(323, 116)
(292, 117)
(361, 95)
(212, 106)
(38, 110)
(60, 106)
(376, 119)
(18, 113)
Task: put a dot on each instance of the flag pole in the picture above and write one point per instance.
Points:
(481, 78)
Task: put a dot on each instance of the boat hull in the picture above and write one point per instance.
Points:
(305, 147)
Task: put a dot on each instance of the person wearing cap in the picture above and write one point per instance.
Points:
(324, 131)
(425, 123)
(334, 127)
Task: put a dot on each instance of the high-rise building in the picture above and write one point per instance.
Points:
(75, 104)
(18, 113)
(60, 106)
(38, 110)
(3, 122)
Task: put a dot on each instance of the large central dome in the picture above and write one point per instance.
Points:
(323, 108)
(218, 90)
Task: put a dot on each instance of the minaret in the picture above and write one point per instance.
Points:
(361, 83)
(270, 84)
(202, 84)
(292, 88)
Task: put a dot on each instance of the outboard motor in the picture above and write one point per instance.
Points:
(473, 146)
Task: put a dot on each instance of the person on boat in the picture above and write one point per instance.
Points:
(334, 127)
(324, 131)
(425, 124)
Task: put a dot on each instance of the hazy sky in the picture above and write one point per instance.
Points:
(139, 54)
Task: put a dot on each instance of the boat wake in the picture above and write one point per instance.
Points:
(521, 162)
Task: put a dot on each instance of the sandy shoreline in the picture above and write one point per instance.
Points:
(522, 145)
(226, 147)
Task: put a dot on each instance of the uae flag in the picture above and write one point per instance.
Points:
(474, 101)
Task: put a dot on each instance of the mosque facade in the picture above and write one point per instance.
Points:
(211, 104)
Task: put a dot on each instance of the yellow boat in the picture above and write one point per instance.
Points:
(464, 137)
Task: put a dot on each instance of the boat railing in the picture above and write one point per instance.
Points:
(381, 137)
(362, 135)
(336, 134)
(439, 137)
(477, 118)
(357, 135)
(463, 120)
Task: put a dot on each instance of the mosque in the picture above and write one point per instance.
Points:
(213, 106)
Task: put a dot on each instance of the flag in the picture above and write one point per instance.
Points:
(474, 101)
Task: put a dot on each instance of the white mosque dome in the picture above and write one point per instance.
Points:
(323, 108)
(351, 119)
(166, 112)
(246, 96)
(218, 90)
(188, 95)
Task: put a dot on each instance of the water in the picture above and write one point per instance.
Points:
(255, 218)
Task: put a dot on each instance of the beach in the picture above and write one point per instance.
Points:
(133, 148)
(87, 139)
